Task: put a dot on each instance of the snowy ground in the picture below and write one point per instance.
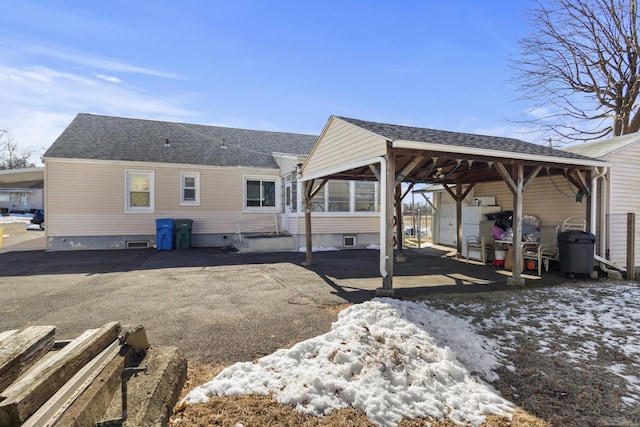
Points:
(392, 359)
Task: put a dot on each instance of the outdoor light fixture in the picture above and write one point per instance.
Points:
(224, 145)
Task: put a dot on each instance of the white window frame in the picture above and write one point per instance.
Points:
(352, 195)
(262, 178)
(196, 179)
(128, 174)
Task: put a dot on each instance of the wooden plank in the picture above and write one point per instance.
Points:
(6, 334)
(52, 410)
(631, 246)
(18, 351)
(26, 395)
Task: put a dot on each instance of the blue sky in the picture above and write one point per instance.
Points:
(272, 65)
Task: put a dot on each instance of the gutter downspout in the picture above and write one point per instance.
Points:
(600, 174)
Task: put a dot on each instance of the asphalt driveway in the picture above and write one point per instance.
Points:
(214, 305)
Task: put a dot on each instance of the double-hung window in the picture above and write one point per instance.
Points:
(260, 194)
(139, 191)
(189, 188)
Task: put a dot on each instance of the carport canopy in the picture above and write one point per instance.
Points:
(352, 149)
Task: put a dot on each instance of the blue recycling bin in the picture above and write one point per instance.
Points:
(164, 234)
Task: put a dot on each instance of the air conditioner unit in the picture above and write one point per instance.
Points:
(349, 241)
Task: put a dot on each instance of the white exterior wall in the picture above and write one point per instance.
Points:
(623, 184)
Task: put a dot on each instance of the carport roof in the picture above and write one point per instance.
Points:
(415, 137)
(430, 156)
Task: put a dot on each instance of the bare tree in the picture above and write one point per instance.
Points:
(579, 66)
(11, 157)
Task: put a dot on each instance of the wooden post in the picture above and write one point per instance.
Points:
(516, 271)
(631, 246)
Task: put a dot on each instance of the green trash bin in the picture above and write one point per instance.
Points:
(183, 233)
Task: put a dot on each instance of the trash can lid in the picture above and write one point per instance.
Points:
(576, 236)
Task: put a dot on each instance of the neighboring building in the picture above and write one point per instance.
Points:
(108, 179)
(621, 185)
(21, 190)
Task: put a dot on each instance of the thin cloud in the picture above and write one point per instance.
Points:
(106, 78)
(95, 61)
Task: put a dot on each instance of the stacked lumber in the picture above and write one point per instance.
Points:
(31, 373)
(77, 382)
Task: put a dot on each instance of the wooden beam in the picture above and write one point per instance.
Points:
(409, 188)
(631, 246)
(506, 177)
(459, 196)
(19, 351)
(531, 177)
(408, 168)
(30, 391)
(376, 171)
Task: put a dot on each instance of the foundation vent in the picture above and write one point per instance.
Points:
(349, 241)
(137, 244)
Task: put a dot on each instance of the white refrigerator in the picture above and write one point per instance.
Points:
(475, 223)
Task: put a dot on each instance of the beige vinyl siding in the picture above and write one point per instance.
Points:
(286, 163)
(339, 224)
(343, 143)
(87, 199)
(542, 199)
(624, 184)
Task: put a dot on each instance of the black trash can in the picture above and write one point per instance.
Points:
(576, 252)
(183, 233)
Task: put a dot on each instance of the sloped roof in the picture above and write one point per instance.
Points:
(96, 137)
(602, 148)
(514, 147)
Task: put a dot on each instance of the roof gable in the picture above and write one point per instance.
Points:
(605, 147)
(97, 137)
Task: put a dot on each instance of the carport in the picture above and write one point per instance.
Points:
(351, 149)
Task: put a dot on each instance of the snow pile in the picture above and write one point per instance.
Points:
(389, 359)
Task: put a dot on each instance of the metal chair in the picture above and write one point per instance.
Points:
(574, 223)
(542, 253)
(479, 244)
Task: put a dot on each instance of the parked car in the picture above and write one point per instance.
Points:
(38, 218)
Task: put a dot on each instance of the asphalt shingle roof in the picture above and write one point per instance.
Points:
(458, 139)
(97, 137)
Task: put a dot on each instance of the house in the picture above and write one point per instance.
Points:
(21, 190)
(620, 185)
(353, 149)
(108, 179)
